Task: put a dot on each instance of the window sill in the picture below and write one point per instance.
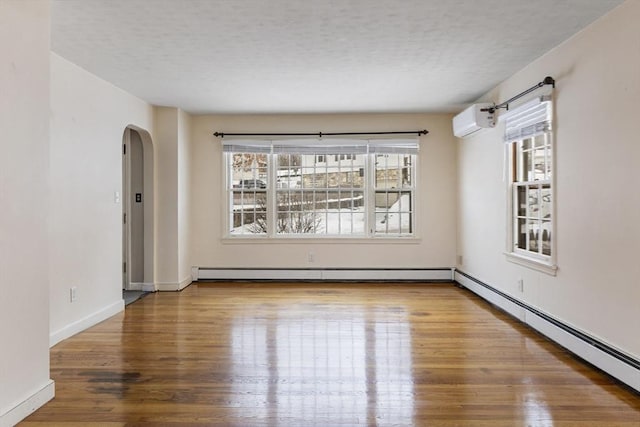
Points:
(321, 240)
(532, 263)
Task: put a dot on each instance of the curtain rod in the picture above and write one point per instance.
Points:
(321, 134)
(547, 81)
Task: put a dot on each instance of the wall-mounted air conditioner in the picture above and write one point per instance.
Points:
(473, 119)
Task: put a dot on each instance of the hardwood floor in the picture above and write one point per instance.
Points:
(233, 354)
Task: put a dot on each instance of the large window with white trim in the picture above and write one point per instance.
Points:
(329, 188)
(529, 143)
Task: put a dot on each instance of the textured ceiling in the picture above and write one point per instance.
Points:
(304, 56)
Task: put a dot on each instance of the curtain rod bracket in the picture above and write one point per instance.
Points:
(547, 81)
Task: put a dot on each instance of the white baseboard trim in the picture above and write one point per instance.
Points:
(326, 274)
(174, 286)
(140, 286)
(185, 282)
(86, 322)
(149, 287)
(28, 406)
(620, 366)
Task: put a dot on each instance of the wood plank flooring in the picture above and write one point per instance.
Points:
(232, 354)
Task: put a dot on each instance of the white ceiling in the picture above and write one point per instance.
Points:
(322, 56)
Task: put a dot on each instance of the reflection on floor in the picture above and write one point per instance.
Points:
(324, 355)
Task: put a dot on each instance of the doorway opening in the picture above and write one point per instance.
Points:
(137, 211)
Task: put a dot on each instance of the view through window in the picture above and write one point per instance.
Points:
(359, 189)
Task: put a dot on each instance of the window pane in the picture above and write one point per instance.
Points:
(319, 201)
(521, 234)
(546, 238)
(521, 201)
(248, 170)
(249, 212)
(407, 172)
(534, 235)
(533, 202)
(393, 171)
(539, 166)
(548, 165)
(394, 212)
(545, 202)
(524, 163)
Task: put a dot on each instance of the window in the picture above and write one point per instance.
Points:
(287, 188)
(529, 144)
(393, 192)
(340, 157)
(247, 192)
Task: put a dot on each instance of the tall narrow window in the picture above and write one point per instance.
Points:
(345, 188)
(246, 187)
(394, 181)
(529, 142)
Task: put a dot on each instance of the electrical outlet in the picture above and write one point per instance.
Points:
(73, 293)
(311, 257)
(521, 285)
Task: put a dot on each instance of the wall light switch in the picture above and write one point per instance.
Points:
(116, 197)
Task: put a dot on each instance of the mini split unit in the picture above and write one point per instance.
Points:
(474, 118)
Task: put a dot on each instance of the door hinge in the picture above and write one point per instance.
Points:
(124, 218)
(124, 267)
(124, 149)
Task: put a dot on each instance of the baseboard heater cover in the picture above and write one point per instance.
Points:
(326, 274)
(610, 360)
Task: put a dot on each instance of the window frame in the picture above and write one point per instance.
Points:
(366, 171)
(515, 180)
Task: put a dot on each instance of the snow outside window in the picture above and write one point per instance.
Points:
(333, 188)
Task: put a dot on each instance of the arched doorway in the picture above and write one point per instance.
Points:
(137, 211)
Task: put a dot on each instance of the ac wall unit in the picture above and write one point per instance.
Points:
(473, 119)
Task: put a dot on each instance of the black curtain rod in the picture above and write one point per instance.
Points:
(321, 134)
(547, 81)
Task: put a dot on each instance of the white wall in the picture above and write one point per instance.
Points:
(88, 119)
(596, 289)
(184, 198)
(166, 142)
(436, 201)
(173, 142)
(24, 169)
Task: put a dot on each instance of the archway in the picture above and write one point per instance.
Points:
(138, 249)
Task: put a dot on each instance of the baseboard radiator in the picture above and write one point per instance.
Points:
(610, 360)
(324, 274)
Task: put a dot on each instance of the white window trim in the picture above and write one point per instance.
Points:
(367, 237)
(544, 264)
